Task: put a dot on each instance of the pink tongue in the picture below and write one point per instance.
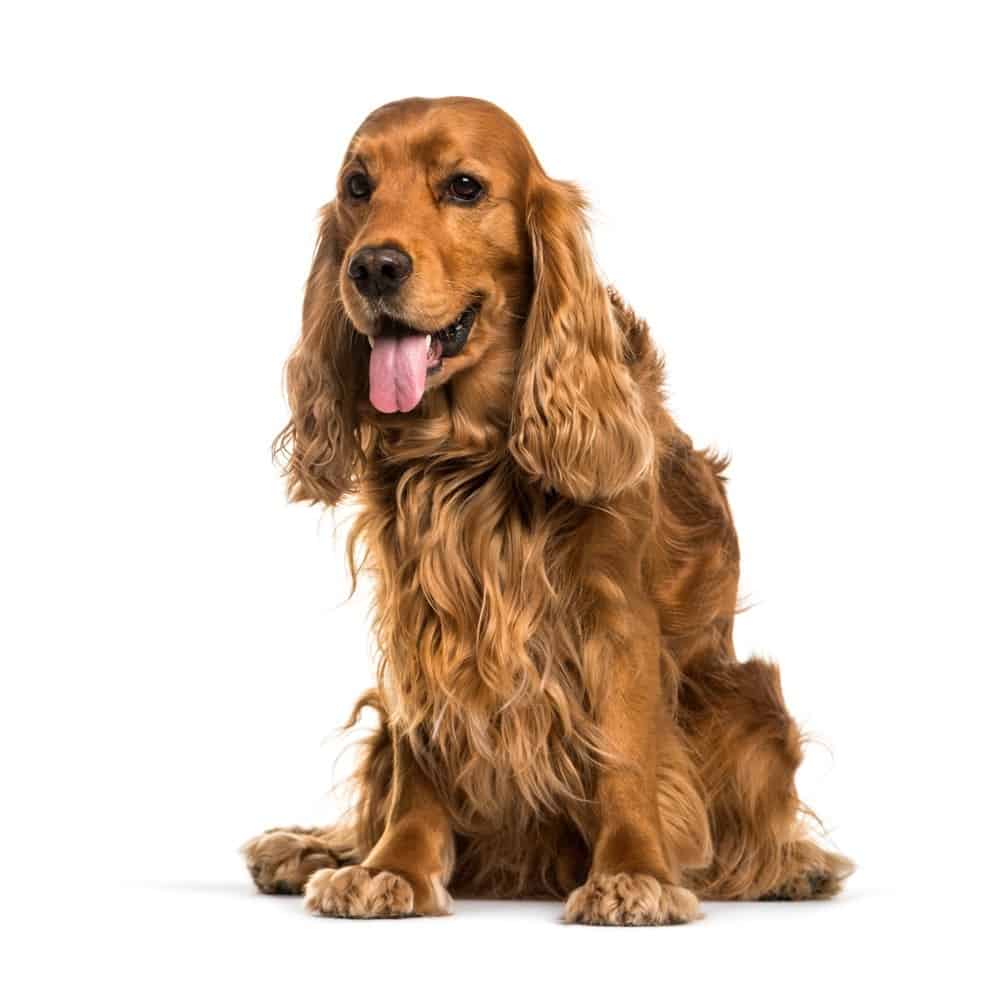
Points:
(397, 372)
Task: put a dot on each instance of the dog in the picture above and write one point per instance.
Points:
(561, 711)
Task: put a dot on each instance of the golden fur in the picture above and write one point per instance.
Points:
(555, 572)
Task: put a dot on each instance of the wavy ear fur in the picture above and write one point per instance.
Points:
(321, 444)
(578, 425)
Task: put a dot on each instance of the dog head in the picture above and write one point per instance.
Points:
(452, 276)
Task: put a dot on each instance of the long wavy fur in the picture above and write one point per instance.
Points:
(494, 532)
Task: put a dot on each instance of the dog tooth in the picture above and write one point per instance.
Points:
(371, 341)
(428, 343)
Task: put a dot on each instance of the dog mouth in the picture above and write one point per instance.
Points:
(402, 358)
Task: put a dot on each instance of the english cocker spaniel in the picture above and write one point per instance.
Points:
(554, 564)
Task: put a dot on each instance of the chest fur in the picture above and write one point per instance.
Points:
(480, 644)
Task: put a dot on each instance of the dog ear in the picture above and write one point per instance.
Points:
(321, 445)
(578, 425)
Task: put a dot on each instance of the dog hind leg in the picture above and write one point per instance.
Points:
(747, 749)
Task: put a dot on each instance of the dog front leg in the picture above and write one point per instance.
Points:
(634, 874)
(408, 869)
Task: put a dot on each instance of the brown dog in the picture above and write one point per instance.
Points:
(555, 565)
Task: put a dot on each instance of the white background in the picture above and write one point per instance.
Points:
(801, 198)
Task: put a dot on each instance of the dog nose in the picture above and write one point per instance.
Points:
(377, 271)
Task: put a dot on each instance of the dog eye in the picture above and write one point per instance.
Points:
(358, 186)
(464, 188)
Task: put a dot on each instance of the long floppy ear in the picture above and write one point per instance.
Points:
(321, 444)
(578, 425)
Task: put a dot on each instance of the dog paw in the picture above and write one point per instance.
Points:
(822, 876)
(355, 892)
(630, 899)
(805, 886)
(282, 860)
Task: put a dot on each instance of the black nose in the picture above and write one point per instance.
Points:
(379, 270)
